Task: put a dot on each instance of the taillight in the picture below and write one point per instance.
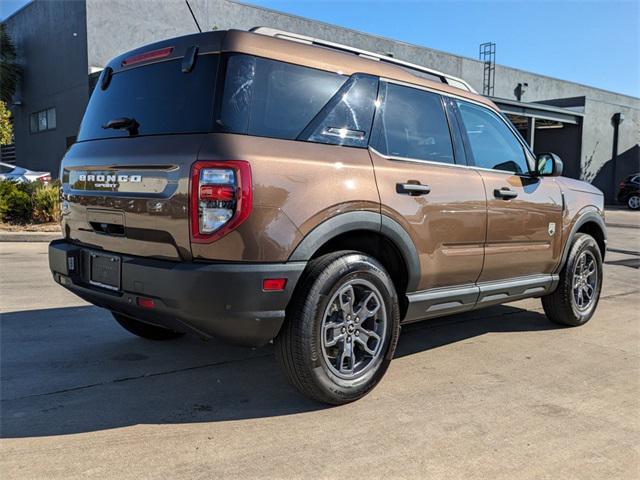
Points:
(45, 178)
(220, 198)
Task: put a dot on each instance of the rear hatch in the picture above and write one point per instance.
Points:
(126, 180)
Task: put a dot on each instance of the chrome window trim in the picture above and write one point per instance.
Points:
(442, 164)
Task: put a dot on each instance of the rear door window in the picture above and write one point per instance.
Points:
(411, 123)
(159, 96)
(269, 98)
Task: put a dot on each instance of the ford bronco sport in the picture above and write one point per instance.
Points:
(259, 186)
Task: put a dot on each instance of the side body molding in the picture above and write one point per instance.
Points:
(590, 216)
(362, 220)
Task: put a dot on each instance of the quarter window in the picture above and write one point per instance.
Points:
(411, 123)
(493, 144)
(346, 119)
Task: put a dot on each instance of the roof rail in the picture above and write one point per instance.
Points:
(295, 37)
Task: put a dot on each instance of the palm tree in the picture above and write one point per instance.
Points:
(9, 69)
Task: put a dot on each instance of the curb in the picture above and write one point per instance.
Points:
(29, 236)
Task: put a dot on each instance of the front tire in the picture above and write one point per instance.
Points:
(575, 299)
(341, 330)
(145, 330)
(633, 202)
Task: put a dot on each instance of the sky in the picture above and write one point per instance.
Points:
(594, 42)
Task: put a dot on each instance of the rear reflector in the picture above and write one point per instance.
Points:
(145, 302)
(147, 56)
(273, 284)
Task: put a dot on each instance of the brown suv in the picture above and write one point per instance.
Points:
(258, 186)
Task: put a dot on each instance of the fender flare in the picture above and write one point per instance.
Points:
(589, 216)
(362, 220)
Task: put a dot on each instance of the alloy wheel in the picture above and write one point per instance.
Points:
(585, 281)
(353, 329)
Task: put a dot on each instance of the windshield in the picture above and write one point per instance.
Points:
(159, 97)
(4, 168)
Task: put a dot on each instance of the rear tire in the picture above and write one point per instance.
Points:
(341, 329)
(633, 202)
(575, 299)
(145, 330)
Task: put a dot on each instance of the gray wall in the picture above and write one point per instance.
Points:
(142, 21)
(115, 26)
(54, 63)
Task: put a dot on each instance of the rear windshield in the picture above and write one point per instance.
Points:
(159, 97)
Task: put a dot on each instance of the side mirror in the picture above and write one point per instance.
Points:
(548, 165)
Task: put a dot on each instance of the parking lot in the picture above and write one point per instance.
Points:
(497, 393)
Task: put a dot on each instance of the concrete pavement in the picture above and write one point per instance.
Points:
(499, 393)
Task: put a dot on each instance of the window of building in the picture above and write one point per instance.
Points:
(274, 99)
(411, 123)
(493, 144)
(43, 120)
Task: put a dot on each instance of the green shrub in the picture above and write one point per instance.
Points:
(46, 203)
(15, 202)
(29, 202)
(6, 187)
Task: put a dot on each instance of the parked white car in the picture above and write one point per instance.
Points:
(21, 174)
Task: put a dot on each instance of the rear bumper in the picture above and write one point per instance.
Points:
(221, 300)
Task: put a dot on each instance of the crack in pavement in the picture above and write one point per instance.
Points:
(625, 252)
(622, 225)
(427, 325)
(136, 377)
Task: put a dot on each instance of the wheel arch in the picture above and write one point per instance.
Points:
(592, 224)
(371, 233)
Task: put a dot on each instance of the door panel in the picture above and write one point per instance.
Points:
(524, 233)
(524, 213)
(447, 225)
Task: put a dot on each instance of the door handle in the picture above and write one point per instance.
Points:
(504, 193)
(413, 189)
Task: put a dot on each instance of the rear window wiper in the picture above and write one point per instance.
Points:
(128, 124)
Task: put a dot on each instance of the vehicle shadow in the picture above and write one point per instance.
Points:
(73, 370)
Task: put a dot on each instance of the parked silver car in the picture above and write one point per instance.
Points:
(21, 174)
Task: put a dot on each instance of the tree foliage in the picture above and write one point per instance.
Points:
(9, 68)
(6, 127)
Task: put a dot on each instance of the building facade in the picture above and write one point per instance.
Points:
(61, 44)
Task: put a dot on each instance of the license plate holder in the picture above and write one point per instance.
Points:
(105, 271)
